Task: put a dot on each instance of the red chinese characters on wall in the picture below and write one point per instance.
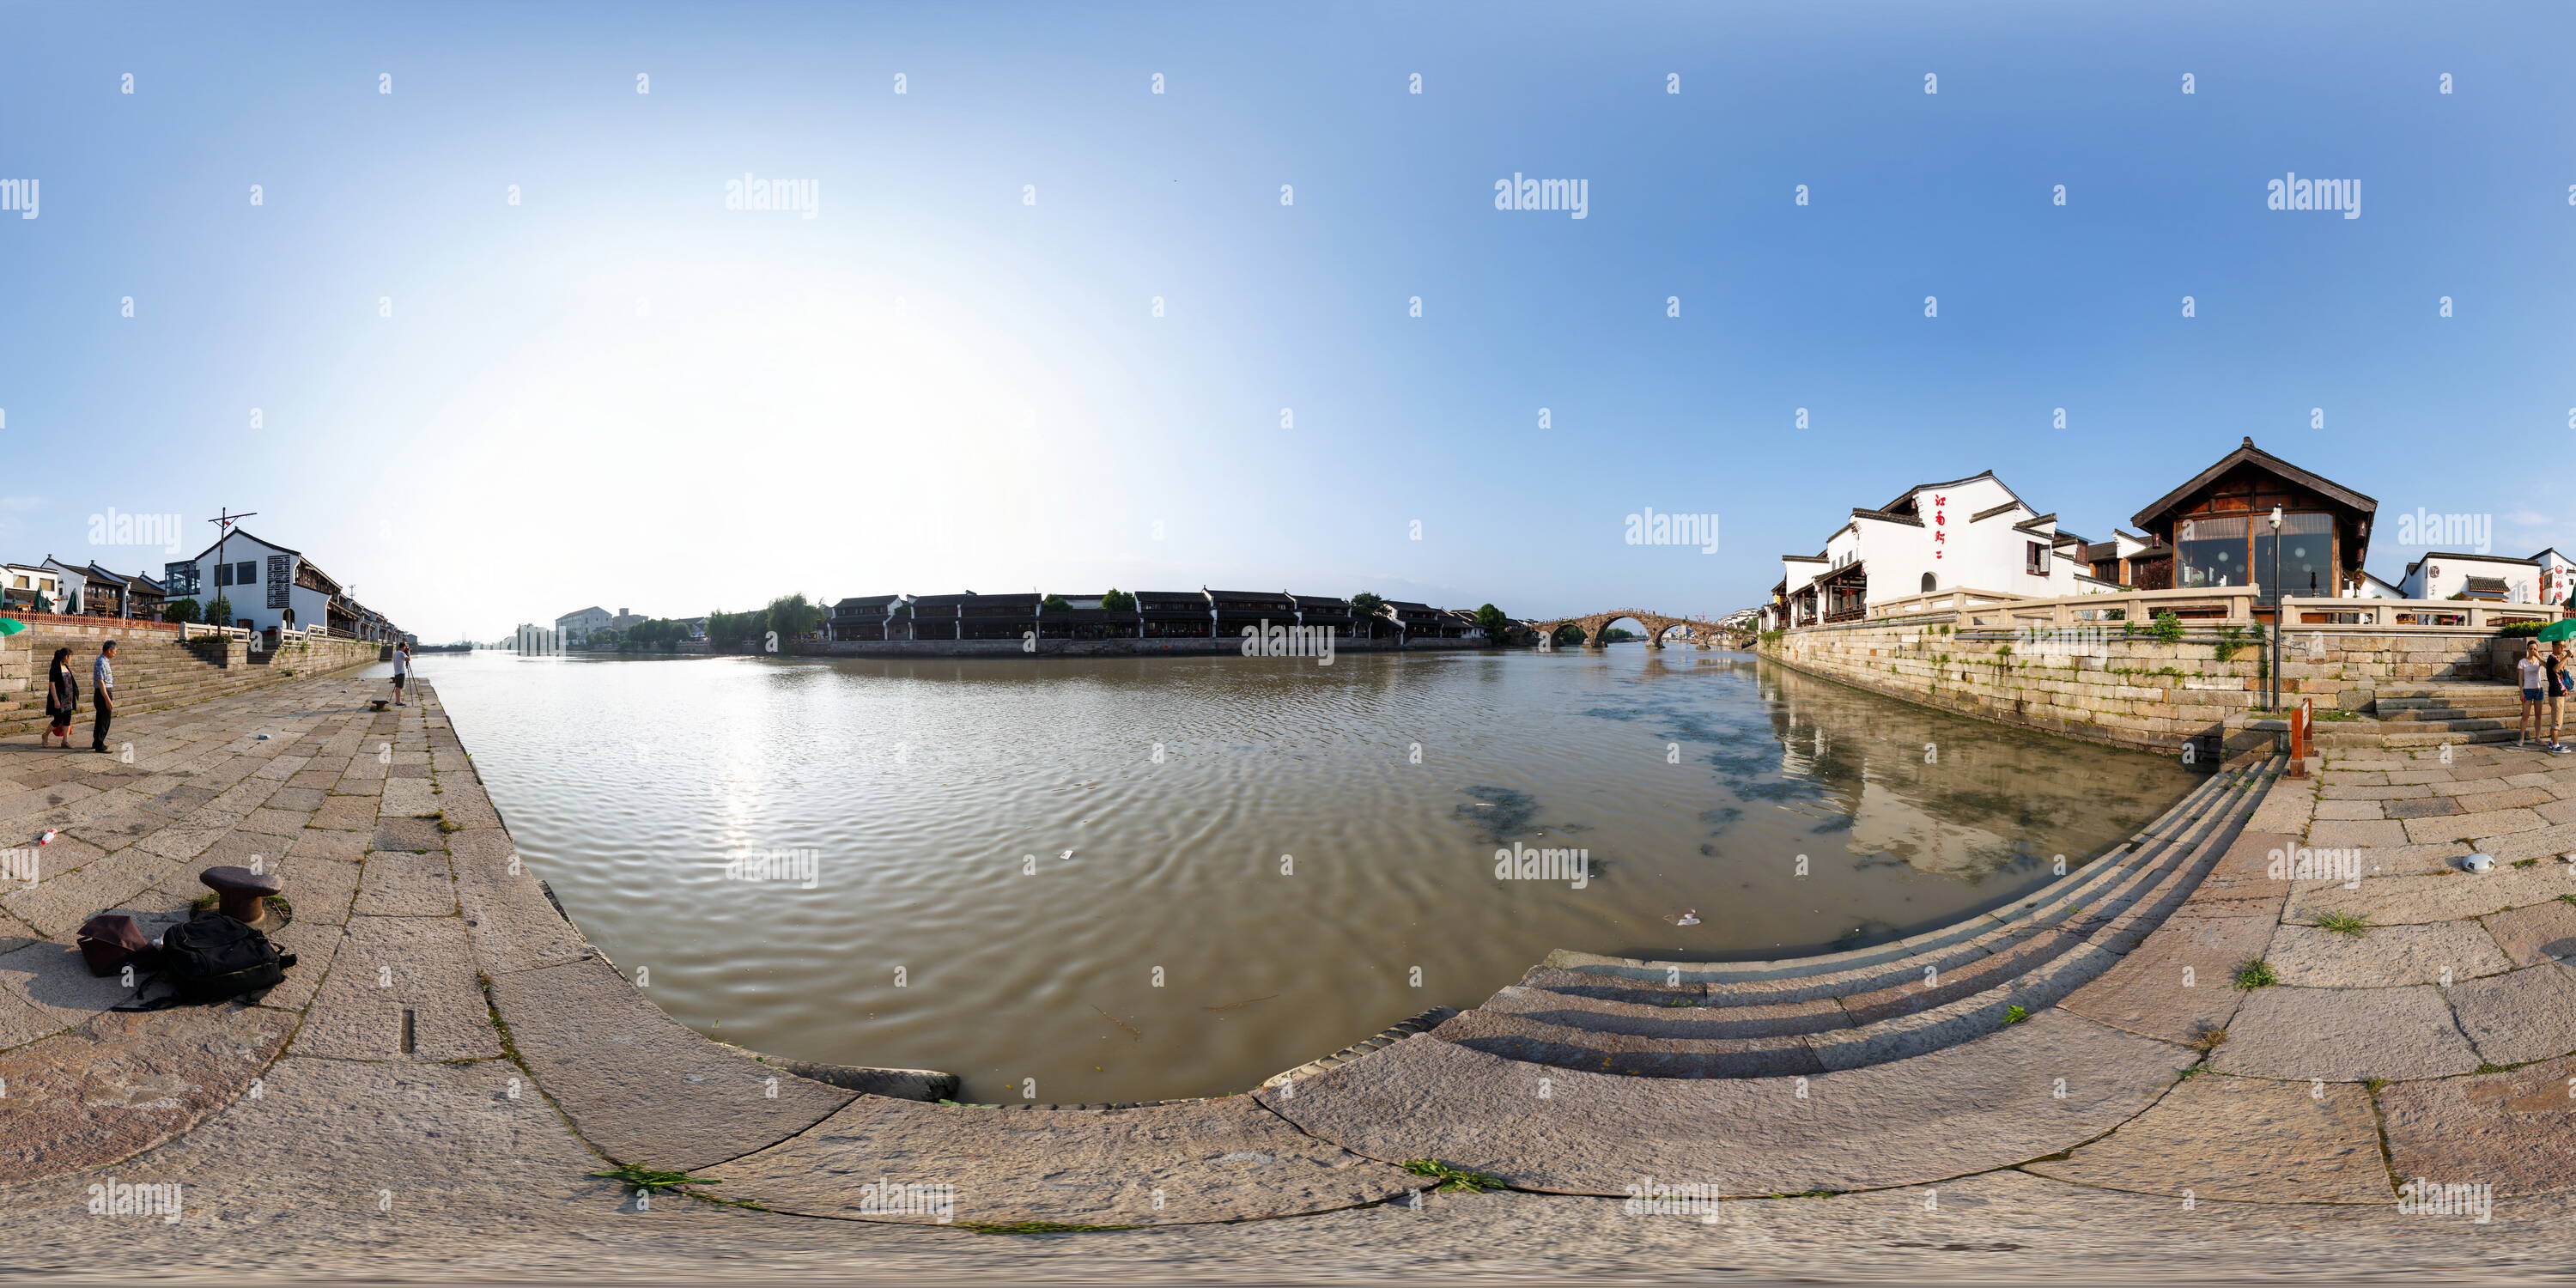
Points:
(1940, 523)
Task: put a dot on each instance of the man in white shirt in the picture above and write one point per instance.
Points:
(402, 671)
(102, 685)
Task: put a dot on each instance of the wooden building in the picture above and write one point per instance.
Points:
(2218, 527)
(859, 617)
(1324, 610)
(1168, 614)
(1236, 609)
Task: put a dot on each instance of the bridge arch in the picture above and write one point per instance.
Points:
(1654, 626)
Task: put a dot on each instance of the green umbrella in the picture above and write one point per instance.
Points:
(11, 626)
(2559, 630)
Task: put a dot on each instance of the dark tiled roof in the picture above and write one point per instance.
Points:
(2249, 453)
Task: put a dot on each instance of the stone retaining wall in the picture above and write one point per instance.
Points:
(2102, 683)
(1086, 648)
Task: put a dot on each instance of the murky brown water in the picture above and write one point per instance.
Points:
(1008, 855)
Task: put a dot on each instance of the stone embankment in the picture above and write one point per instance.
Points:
(2117, 682)
(2098, 1072)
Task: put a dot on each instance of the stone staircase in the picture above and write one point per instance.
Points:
(1847, 1010)
(154, 672)
(2454, 713)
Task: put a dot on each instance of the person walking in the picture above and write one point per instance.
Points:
(102, 694)
(62, 696)
(2561, 681)
(402, 670)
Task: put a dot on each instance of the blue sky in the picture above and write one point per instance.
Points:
(620, 392)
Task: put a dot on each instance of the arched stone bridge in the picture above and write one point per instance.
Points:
(1656, 626)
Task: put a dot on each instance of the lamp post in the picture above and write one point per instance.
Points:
(2279, 608)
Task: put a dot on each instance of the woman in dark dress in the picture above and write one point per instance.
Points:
(62, 694)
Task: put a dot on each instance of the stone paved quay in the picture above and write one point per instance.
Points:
(427, 1095)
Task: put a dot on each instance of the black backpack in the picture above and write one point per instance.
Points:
(211, 959)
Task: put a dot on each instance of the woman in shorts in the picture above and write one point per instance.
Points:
(2562, 680)
(2535, 690)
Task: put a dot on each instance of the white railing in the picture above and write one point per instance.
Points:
(2222, 605)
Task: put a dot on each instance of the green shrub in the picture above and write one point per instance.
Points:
(2166, 627)
(2519, 630)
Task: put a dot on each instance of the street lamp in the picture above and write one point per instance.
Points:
(2279, 608)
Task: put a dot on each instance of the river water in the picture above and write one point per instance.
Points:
(1129, 879)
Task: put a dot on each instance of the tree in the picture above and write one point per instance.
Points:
(660, 633)
(1491, 621)
(1366, 603)
(794, 618)
(179, 610)
(1055, 604)
(1117, 601)
(220, 612)
(605, 637)
(1569, 635)
(736, 630)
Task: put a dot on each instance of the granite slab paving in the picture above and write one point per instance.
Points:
(636, 1083)
(1228, 1159)
(2241, 1139)
(1990, 1103)
(2385, 956)
(2514, 1130)
(2345, 1035)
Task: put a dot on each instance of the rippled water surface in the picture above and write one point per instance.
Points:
(1008, 855)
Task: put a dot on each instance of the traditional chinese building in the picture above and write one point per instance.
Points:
(2220, 526)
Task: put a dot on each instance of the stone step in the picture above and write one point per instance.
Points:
(1833, 971)
(1657, 1032)
(2395, 739)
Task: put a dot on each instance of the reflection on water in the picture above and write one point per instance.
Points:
(1137, 878)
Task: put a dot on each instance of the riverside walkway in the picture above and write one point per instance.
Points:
(450, 1060)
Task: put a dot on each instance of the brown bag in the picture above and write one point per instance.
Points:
(110, 940)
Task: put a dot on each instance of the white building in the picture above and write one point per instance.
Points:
(24, 582)
(71, 585)
(269, 586)
(576, 626)
(2557, 576)
(2499, 578)
(1973, 534)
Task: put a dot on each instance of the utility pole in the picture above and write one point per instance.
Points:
(226, 518)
